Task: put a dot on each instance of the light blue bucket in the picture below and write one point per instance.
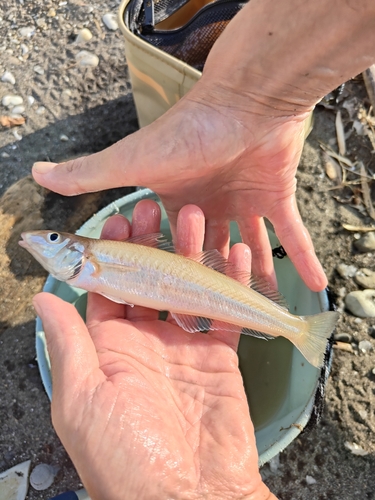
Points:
(280, 384)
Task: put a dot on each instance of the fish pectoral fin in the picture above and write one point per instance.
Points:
(194, 324)
(116, 299)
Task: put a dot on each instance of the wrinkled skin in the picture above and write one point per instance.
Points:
(145, 409)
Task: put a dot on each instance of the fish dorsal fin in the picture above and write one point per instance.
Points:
(154, 240)
(214, 260)
(193, 324)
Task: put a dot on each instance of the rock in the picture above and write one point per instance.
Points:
(110, 20)
(84, 35)
(24, 49)
(30, 100)
(346, 271)
(342, 337)
(41, 110)
(42, 476)
(365, 346)
(8, 78)
(64, 138)
(18, 110)
(27, 31)
(11, 100)
(310, 480)
(51, 12)
(41, 23)
(355, 449)
(361, 303)
(366, 243)
(38, 69)
(365, 278)
(88, 59)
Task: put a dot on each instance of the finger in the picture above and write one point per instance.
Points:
(146, 219)
(70, 348)
(254, 234)
(217, 236)
(190, 230)
(298, 245)
(99, 308)
(240, 257)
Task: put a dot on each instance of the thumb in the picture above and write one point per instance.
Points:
(72, 353)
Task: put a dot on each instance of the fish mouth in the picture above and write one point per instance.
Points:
(23, 243)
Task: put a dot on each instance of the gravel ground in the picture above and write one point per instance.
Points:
(70, 110)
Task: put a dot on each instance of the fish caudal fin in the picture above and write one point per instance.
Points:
(313, 342)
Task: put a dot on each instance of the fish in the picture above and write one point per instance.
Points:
(202, 292)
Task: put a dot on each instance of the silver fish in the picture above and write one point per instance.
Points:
(199, 295)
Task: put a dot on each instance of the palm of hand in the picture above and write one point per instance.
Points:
(145, 409)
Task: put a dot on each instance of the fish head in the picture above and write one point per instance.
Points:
(61, 254)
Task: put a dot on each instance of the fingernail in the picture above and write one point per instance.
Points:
(42, 167)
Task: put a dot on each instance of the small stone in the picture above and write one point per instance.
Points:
(67, 92)
(363, 414)
(27, 31)
(30, 100)
(346, 271)
(361, 303)
(84, 35)
(365, 278)
(8, 78)
(51, 12)
(17, 136)
(11, 100)
(355, 449)
(342, 337)
(357, 321)
(41, 23)
(310, 480)
(365, 346)
(366, 243)
(373, 371)
(110, 20)
(24, 49)
(6, 155)
(64, 138)
(42, 476)
(41, 110)
(18, 110)
(38, 69)
(88, 59)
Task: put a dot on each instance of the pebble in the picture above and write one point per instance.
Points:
(27, 31)
(51, 12)
(30, 100)
(365, 346)
(346, 271)
(365, 278)
(24, 49)
(342, 337)
(366, 243)
(88, 59)
(38, 69)
(41, 110)
(355, 449)
(42, 476)
(84, 35)
(41, 23)
(64, 138)
(17, 136)
(5, 155)
(8, 78)
(11, 100)
(361, 303)
(310, 480)
(110, 20)
(18, 110)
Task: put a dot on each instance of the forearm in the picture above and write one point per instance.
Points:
(290, 53)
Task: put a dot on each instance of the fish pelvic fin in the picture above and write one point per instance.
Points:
(313, 342)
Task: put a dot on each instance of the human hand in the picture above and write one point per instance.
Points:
(145, 409)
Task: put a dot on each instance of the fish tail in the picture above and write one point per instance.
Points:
(313, 342)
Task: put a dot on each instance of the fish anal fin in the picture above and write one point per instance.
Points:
(192, 324)
(153, 240)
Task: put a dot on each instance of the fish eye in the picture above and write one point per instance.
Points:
(53, 237)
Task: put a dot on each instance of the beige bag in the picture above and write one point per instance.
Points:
(158, 79)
